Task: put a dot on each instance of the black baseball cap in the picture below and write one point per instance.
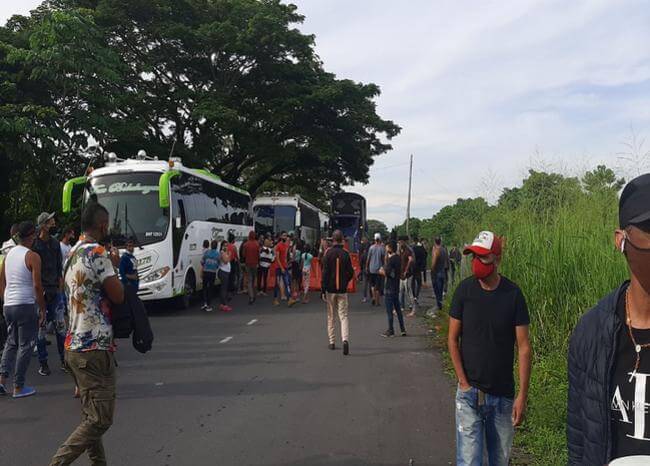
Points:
(634, 205)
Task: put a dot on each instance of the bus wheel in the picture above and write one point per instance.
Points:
(185, 300)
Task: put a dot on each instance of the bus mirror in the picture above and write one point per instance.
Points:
(163, 187)
(178, 222)
(67, 192)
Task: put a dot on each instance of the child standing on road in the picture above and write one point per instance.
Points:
(306, 259)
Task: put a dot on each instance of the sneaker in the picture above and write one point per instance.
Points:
(225, 308)
(44, 370)
(3, 390)
(24, 392)
(331, 346)
(403, 333)
(364, 300)
(207, 309)
(346, 348)
(250, 301)
(276, 302)
(64, 368)
(388, 334)
(291, 302)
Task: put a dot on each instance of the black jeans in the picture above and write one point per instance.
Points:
(208, 284)
(416, 284)
(224, 278)
(262, 276)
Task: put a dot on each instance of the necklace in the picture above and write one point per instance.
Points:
(637, 347)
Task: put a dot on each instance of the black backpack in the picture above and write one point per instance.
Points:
(130, 318)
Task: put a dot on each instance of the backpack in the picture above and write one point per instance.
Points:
(130, 318)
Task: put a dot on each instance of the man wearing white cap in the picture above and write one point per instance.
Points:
(488, 315)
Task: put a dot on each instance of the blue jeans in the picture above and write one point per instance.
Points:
(392, 303)
(283, 277)
(55, 313)
(488, 425)
(22, 327)
(439, 287)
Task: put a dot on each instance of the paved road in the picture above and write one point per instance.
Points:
(255, 387)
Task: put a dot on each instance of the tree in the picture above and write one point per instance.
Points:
(377, 226)
(602, 179)
(231, 85)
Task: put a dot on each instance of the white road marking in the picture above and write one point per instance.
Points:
(252, 322)
(226, 340)
(159, 384)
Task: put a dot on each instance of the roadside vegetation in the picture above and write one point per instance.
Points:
(559, 249)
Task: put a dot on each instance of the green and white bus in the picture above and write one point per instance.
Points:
(169, 210)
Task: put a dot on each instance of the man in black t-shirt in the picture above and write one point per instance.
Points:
(609, 352)
(488, 315)
(392, 272)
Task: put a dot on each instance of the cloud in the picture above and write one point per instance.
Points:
(484, 87)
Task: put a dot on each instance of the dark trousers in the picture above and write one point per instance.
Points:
(224, 278)
(94, 375)
(55, 313)
(23, 328)
(392, 304)
(416, 284)
(208, 285)
(439, 280)
(262, 278)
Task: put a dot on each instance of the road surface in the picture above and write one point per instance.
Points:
(257, 386)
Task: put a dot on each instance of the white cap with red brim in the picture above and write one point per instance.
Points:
(485, 243)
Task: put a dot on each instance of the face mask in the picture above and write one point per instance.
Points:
(52, 231)
(481, 270)
(639, 262)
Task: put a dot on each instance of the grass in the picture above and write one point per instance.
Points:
(565, 261)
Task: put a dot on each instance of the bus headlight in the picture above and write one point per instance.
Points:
(156, 275)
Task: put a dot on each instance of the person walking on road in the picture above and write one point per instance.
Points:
(209, 265)
(488, 315)
(282, 273)
(251, 256)
(392, 272)
(375, 261)
(337, 273)
(420, 269)
(307, 258)
(92, 287)
(49, 250)
(129, 266)
(407, 267)
(24, 309)
(363, 259)
(609, 352)
(266, 259)
(225, 280)
(439, 258)
(454, 264)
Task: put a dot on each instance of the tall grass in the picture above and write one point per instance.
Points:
(564, 260)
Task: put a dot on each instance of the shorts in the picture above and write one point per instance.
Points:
(376, 280)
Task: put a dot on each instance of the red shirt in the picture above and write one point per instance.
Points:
(251, 253)
(281, 251)
(232, 250)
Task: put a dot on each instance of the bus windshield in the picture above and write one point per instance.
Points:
(132, 203)
(275, 219)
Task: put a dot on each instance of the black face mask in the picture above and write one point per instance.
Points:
(639, 261)
(52, 231)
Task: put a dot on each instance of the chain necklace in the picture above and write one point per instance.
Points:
(637, 347)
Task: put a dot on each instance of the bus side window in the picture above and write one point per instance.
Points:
(181, 211)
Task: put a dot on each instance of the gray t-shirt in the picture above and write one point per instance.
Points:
(376, 256)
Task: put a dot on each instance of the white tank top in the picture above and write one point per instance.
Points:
(20, 286)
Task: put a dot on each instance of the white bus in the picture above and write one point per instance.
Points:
(170, 210)
(276, 213)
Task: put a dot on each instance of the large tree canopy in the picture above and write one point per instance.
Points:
(231, 85)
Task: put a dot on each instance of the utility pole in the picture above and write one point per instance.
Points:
(408, 203)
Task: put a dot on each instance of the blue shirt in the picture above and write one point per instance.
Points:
(129, 266)
(210, 261)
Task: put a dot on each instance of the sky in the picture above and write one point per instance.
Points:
(486, 90)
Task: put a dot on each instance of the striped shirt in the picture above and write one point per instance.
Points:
(266, 257)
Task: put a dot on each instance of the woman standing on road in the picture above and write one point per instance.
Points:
(306, 259)
(20, 284)
(224, 278)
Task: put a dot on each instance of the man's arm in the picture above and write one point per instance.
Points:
(455, 326)
(59, 265)
(114, 289)
(434, 258)
(33, 262)
(3, 280)
(324, 275)
(524, 352)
